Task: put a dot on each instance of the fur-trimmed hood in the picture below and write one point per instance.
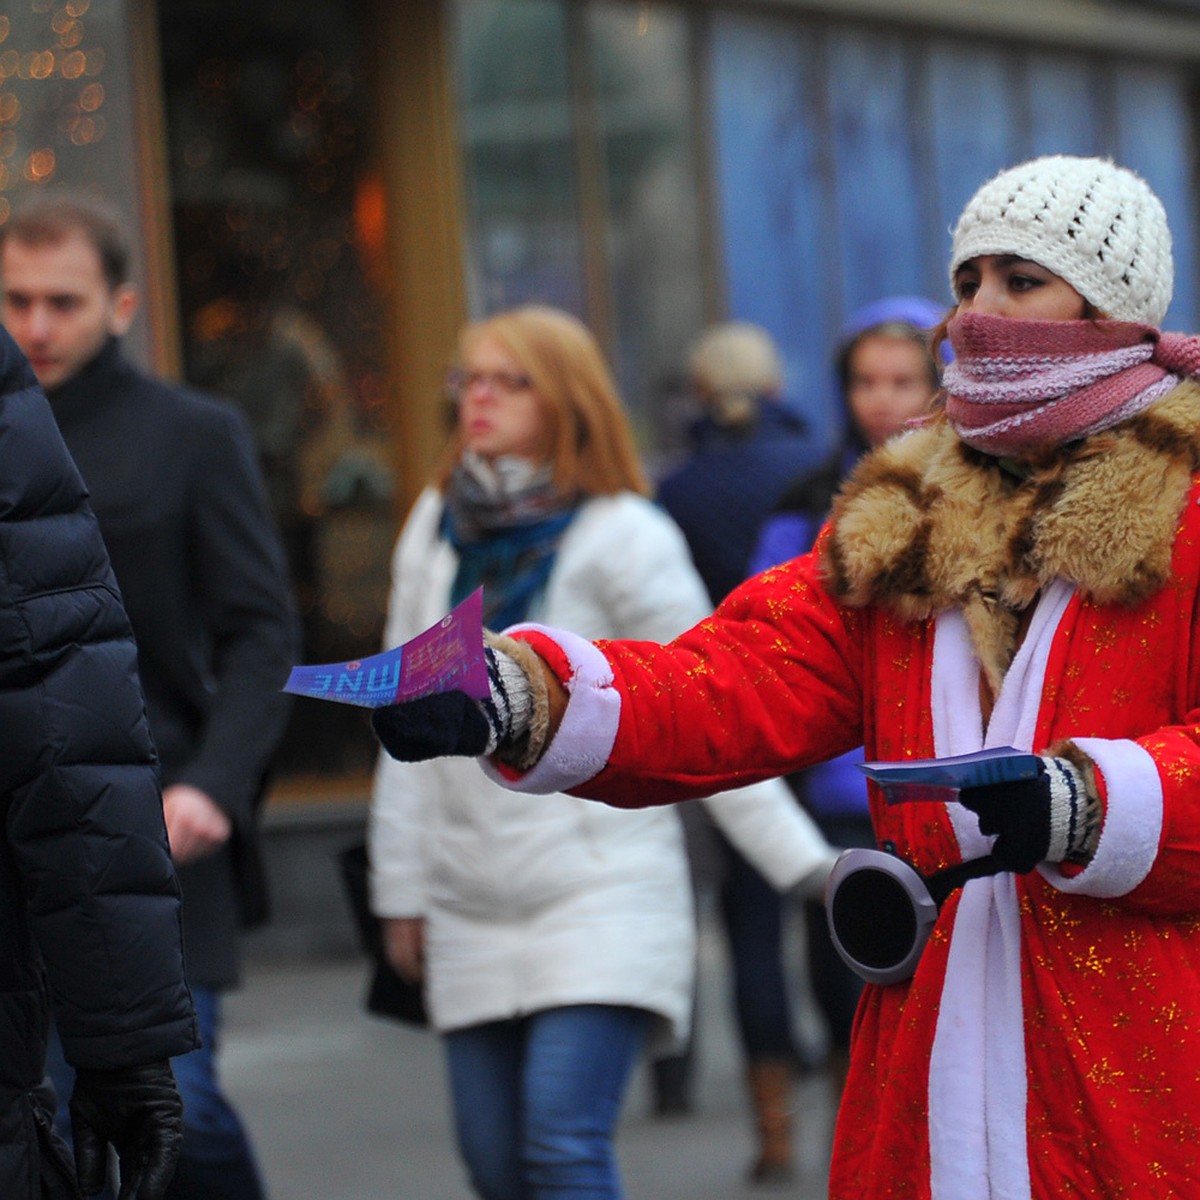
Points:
(926, 523)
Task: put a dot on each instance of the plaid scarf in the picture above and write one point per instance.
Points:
(1016, 387)
(505, 520)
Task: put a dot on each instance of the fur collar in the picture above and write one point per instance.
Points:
(925, 523)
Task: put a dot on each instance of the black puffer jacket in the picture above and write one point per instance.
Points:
(89, 901)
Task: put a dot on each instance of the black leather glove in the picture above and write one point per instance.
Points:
(1048, 819)
(138, 1111)
(1018, 814)
(452, 723)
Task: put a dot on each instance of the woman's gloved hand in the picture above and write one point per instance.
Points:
(136, 1110)
(1051, 818)
(453, 723)
(433, 727)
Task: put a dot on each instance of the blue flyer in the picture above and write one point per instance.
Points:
(942, 778)
(446, 657)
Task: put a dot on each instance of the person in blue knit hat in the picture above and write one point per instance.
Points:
(747, 447)
(887, 377)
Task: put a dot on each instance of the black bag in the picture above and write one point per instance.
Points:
(881, 910)
(388, 993)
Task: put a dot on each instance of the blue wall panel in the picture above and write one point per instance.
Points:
(1066, 104)
(875, 177)
(974, 131)
(1154, 138)
(775, 218)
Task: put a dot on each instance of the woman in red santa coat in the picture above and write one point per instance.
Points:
(1022, 570)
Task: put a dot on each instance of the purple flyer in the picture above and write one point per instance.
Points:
(446, 657)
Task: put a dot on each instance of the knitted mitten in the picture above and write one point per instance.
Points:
(1052, 818)
(510, 723)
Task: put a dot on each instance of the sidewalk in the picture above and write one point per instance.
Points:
(344, 1106)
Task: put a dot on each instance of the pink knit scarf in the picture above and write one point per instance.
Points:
(1019, 386)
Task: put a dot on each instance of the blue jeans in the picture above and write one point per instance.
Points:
(536, 1100)
(216, 1161)
(753, 915)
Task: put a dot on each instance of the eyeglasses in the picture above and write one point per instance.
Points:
(503, 383)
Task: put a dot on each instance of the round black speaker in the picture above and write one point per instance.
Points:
(880, 914)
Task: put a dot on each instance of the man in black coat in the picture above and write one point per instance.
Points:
(89, 902)
(175, 483)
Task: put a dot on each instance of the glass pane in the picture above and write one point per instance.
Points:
(877, 176)
(279, 247)
(640, 65)
(1153, 97)
(66, 110)
(912, 128)
(523, 238)
(1067, 99)
(974, 125)
(65, 97)
(775, 196)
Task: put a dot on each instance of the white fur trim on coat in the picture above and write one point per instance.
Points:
(585, 738)
(1133, 817)
(977, 1072)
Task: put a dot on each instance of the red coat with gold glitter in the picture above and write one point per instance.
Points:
(1049, 1043)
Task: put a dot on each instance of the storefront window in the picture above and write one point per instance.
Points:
(66, 109)
(517, 131)
(64, 72)
(278, 225)
(652, 186)
(656, 166)
(578, 142)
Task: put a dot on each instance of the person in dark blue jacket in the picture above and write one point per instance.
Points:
(886, 376)
(178, 491)
(89, 900)
(746, 448)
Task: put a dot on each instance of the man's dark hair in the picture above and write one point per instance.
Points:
(48, 219)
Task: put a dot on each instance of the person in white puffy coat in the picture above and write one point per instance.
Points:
(555, 936)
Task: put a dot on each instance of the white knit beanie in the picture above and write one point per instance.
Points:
(1091, 222)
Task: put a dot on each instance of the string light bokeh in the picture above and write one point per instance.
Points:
(52, 92)
(278, 229)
